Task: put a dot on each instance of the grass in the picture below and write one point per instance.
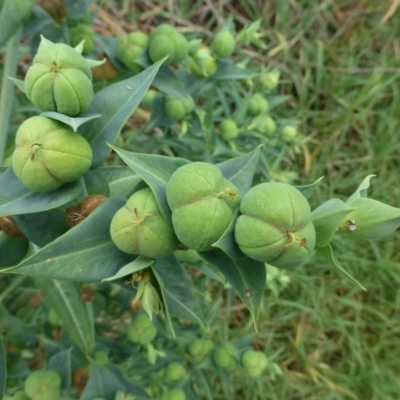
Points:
(339, 61)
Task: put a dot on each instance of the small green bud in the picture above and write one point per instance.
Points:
(175, 372)
(202, 63)
(228, 129)
(189, 256)
(130, 47)
(82, 32)
(254, 362)
(257, 104)
(142, 330)
(223, 44)
(225, 356)
(148, 98)
(264, 124)
(270, 80)
(199, 349)
(289, 132)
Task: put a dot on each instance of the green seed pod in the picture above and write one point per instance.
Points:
(139, 228)
(148, 98)
(82, 32)
(181, 48)
(142, 330)
(48, 154)
(175, 372)
(225, 356)
(270, 80)
(130, 47)
(174, 394)
(289, 132)
(274, 225)
(254, 362)
(199, 349)
(257, 104)
(176, 108)
(223, 44)
(202, 203)
(264, 124)
(202, 63)
(228, 129)
(60, 79)
(43, 385)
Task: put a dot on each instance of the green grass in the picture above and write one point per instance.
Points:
(340, 62)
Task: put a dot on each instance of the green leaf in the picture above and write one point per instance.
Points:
(61, 363)
(327, 253)
(362, 189)
(177, 290)
(136, 265)
(3, 369)
(167, 82)
(227, 241)
(155, 170)
(43, 227)
(96, 183)
(373, 220)
(116, 103)
(94, 63)
(227, 70)
(19, 83)
(17, 199)
(12, 250)
(73, 122)
(247, 277)
(240, 170)
(308, 190)
(121, 180)
(327, 218)
(12, 16)
(102, 383)
(65, 298)
(85, 253)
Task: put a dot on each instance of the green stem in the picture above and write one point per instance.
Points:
(13, 285)
(7, 90)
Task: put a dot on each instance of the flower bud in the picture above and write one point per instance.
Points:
(176, 108)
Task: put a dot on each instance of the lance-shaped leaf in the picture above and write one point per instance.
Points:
(240, 170)
(85, 253)
(362, 189)
(327, 253)
(61, 362)
(16, 199)
(64, 296)
(121, 180)
(155, 170)
(247, 277)
(3, 369)
(12, 249)
(73, 122)
(327, 218)
(115, 103)
(177, 290)
(136, 265)
(308, 190)
(19, 83)
(370, 219)
(167, 82)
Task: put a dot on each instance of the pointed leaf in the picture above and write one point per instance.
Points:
(121, 180)
(362, 189)
(61, 363)
(240, 170)
(85, 253)
(116, 103)
(247, 277)
(177, 290)
(227, 241)
(308, 190)
(12, 250)
(102, 383)
(65, 298)
(95, 63)
(17, 199)
(167, 82)
(74, 123)
(155, 170)
(19, 83)
(327, 218)
(328, 254)
(3, 369)
(136, 265)
(227, 70)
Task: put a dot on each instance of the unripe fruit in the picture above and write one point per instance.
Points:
(202, 63)
(60, 79)
(139, 227)
(264, 124)
(257, 104)
(254, 362)
(82, 32)
(142, 330)
(148, 98)
(223, 44)
(174, 394)
(43, 385)
(176, 108)
(228, 129)
(130, 47)
(202, 203)
(48, 154)
(289, 132)
(225, 356)
(199, 349)
(274, 225)
(167, 41)
(175, 372)
(270, 80)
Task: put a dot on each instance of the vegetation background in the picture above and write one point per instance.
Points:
(340, 62)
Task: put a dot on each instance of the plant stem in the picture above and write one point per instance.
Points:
(7, 89)
(10, 288)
